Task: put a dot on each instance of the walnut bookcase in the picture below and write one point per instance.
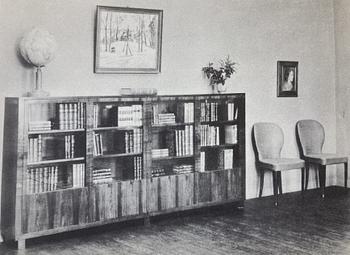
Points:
(76, 162)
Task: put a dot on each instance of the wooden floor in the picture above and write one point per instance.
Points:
(299, 225)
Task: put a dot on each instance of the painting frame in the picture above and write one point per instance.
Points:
(131, 41)
(287, 78)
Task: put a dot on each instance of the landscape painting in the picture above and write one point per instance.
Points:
(128, 40)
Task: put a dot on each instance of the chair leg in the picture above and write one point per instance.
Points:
(279, 182)
(275, 187)
(302, 178)
(307, 170)
(322, 176)
(262, 174)
(346, 174)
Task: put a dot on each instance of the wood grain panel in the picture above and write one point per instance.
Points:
(185, 190)
(234, 189)
(219, 185)
(104, 200)
(36, 217)
(63, 209)
(167, 192)
(133, 197)
(204, 187)
(153, 195)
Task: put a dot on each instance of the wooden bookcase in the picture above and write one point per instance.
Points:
(77, 162)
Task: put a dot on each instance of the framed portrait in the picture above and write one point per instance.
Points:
(287, 79)
(128, 40)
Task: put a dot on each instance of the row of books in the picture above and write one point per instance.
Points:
(188, 112)
(209, 111)
(209, 135)
(156, 172)
(42, 179)
(165, 118)
(35, 149)
(159, 153)
(138, 168)
(71, 115)
(130, 115)
(116, 115)
(232, 112)
(51, 178)
(183, 169)
(227, 160)
(184, 141)
(98, 144)
(133, 141)
(129, 141)
(214, 111)
(69, 145)
(101, 175)
(40, 125)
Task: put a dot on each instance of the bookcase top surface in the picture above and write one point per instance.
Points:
(120, 97)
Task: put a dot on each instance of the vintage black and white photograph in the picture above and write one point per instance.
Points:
(128, 40)
(174, 127)
(287, 78)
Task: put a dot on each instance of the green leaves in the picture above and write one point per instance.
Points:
(219, 75)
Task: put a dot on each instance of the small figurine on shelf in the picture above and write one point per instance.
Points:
(218, 76)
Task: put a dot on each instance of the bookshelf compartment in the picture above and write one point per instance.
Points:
(115, 141)
(219, 110)
(46, 147)
(54, 177)
(219, 157)
(175, 166)
(118, 169)
(172, 142)
(111, 114)
(172, 112)
(56, 116)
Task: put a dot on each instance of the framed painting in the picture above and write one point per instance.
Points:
(128, 40)
(287, 79)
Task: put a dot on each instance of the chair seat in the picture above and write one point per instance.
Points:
(281, 164)
(326, 158)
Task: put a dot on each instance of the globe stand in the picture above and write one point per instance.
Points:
(38, 92)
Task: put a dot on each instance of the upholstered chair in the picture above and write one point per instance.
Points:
(268, 141)
(311, 137)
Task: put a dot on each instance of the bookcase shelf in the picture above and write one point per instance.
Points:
(116, 128)
(55, 161)
(172, 157)
(156, 126)
(75, 162)
(55, 131)
(221, 146)
(223, 122)
(117, 155)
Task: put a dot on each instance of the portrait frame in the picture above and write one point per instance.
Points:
(128, 40)
(287, 79)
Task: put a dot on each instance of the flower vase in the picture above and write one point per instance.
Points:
(221, 88)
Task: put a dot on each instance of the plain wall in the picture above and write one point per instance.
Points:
(342, 35)
(255, 33)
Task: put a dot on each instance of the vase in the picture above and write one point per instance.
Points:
(221, 88)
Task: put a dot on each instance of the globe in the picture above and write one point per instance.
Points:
(38, 48)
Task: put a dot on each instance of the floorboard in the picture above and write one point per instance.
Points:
(301, 224)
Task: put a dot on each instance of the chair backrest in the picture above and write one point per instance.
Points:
(268, 139)
(310, 134)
